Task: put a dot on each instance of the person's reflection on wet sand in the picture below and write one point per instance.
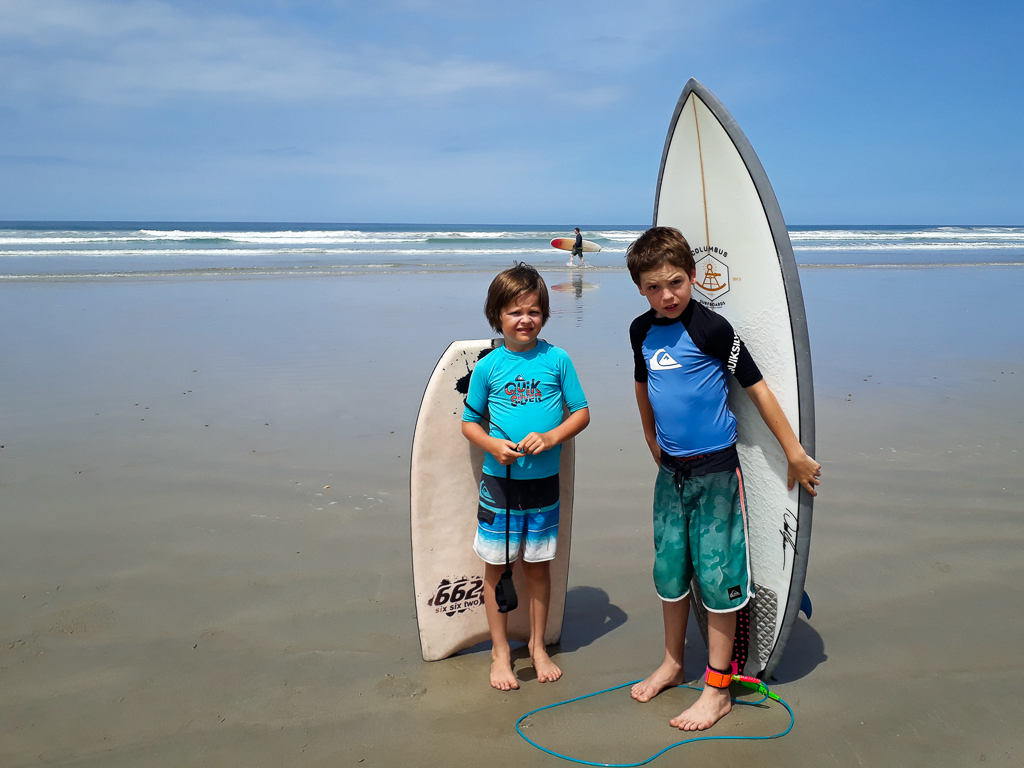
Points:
(576, 286)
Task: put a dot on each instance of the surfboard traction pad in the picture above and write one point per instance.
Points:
(444, 489)
(757, 618)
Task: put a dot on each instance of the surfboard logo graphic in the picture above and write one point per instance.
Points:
(458, 595)
(663, 361)
(712, 281)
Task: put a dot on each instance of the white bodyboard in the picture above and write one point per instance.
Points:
(444, 484)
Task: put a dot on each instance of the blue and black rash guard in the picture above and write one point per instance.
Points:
(684, 362)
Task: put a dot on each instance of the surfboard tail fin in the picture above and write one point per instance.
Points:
(805, 605)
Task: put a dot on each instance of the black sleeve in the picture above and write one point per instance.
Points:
(637, 333)
(714, 336)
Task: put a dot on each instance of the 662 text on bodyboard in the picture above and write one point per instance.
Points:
(457, 595)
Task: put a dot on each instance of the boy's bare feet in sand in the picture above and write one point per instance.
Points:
(502, 676)
(547, 670)
(668, 675)
(712, 706)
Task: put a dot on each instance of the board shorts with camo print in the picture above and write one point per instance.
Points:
(700, 530)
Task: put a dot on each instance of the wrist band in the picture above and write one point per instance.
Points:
(717, 679)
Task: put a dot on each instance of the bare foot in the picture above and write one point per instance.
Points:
(712, 706)
(502, 676)
(547, 670)
(668, 675)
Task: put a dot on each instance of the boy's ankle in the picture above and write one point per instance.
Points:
(501, 652)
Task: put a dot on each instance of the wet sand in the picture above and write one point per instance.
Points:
(205, 551)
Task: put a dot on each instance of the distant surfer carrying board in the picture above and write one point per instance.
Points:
(522, 386)
(577, 248)
(682, 354)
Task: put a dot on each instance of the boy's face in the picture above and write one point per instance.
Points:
(521, 321)
(667, 289)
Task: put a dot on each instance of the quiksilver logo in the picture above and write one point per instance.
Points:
(734, 353)
(663, 361)
(484, 493)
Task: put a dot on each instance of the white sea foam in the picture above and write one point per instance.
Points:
(620, 236)
(228, 253)
(840, 238)
(939, 238)
(917, 265)
(908, 246)
(183, 249)
(63, 240)
(289, 237)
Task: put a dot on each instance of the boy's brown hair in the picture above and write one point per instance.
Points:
(508, 286)
(657, 246)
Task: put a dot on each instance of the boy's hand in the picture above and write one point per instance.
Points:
(804, 470)
(506, 452)
(801, 467)
(537, 442)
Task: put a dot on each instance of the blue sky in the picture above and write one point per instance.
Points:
(459, 111)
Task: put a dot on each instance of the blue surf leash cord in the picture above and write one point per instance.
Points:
(748, 682)
(505, 590)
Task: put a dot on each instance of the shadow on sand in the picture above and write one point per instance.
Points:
(589, 614)
(805, 650)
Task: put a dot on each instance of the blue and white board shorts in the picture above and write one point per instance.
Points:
(533, 524)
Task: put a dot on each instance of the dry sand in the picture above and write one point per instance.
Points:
(205, 549)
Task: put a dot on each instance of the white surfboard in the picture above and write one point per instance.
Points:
(713, 189)
(568, 243)
(445, 481)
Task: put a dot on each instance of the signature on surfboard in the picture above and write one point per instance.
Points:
(788, 531)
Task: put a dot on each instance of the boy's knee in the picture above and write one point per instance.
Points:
(492, 572)
(537, 570)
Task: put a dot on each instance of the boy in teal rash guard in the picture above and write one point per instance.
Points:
(522, 385)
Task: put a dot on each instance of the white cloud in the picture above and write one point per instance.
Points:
(145, 51)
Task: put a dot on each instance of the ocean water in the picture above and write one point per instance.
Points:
(140, 250)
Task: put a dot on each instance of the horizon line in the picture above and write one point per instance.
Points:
(560, 225)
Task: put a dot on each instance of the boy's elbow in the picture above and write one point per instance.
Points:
(585, 419)
(757, 390)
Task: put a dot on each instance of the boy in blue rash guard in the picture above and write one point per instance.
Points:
(682, 355)
(522, 385)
